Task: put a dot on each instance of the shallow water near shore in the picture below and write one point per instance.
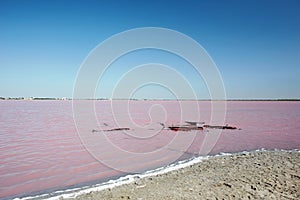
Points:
(41, 151)
(135, 178)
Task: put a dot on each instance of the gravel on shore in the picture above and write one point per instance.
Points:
(254, 175)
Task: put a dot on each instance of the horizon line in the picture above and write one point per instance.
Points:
(149, 99)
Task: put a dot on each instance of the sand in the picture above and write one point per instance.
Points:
(254, 175)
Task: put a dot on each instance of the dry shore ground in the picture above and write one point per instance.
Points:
(255, 175)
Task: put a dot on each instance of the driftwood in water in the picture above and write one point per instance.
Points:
(113, 129)
(220, 127)
(118, 129)
(189, 126)
(185, 128)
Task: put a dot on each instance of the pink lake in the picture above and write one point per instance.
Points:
(41, 149)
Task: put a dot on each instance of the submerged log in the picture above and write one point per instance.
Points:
(118, 129)
(184, 128)
(219, 127)
(113, 129)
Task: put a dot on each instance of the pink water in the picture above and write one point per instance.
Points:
(41, 151)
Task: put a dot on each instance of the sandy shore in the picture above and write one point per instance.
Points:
(255, 175)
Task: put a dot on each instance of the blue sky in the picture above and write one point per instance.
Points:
(255, 44)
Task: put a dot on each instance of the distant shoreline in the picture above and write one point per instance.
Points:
(104, 99)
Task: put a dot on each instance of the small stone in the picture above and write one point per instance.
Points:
(228, 185)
